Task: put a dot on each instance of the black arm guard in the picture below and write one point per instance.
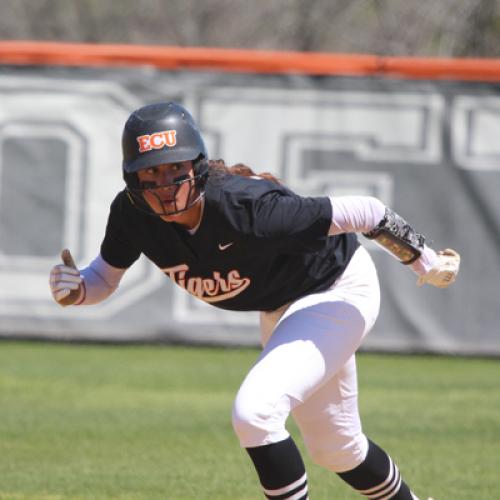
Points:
(398, 237)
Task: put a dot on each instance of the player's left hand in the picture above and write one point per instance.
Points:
(444, 273)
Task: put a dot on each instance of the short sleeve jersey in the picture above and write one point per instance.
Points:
(258, 246)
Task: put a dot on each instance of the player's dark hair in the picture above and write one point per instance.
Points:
(219, 167)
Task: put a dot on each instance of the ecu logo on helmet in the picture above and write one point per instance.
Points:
(158, 140)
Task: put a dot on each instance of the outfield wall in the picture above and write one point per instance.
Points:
(427, 144)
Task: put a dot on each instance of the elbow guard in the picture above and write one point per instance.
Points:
(396, 236)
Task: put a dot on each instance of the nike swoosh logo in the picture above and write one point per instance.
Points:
(223, 247)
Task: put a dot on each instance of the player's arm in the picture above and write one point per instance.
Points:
(368, 215)
(90, 285)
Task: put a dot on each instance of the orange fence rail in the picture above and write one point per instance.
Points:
(247, 61)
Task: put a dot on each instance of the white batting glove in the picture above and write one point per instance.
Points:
(444, 272)
(65, 281)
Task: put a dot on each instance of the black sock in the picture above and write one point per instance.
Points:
(377, 476)
(281, 470)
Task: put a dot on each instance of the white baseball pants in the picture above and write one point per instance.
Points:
(307, 367)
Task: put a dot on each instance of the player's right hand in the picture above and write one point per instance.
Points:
(65, 281)
(444, 273)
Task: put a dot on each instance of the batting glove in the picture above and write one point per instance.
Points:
(65, 281)
(444, 272)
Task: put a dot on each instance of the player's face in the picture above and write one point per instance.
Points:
(168, 188)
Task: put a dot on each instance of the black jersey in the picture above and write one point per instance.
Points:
(258, 247)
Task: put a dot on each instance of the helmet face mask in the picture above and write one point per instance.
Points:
(159, 134)
(165, 196)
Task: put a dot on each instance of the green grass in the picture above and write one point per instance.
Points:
(129, 422)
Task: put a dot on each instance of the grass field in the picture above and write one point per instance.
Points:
(137, 422)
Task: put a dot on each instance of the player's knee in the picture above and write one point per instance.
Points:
(250, 423)
(341, 453)
(257, 422)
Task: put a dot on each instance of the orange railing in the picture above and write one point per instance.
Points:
(251, 61)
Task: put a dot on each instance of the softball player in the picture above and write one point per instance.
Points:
(244, 242)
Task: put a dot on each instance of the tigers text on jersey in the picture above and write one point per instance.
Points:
(258, 247)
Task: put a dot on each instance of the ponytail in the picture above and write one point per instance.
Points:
(219, 166)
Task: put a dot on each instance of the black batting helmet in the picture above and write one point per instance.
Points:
(162, 133)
